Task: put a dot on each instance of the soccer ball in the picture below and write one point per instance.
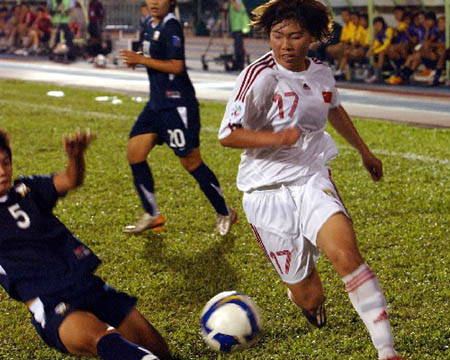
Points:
(230, 322)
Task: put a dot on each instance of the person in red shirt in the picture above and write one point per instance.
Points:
(40, 30)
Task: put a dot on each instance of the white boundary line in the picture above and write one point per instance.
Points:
(210, 129)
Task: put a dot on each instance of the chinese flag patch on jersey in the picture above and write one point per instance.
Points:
(327, 95)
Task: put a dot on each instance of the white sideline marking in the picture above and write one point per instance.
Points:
(210, 129)
(65, 109)
(408, 155)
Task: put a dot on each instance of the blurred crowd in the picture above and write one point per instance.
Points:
(413, 50)
(57, 28)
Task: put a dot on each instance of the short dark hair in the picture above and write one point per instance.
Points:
(310, 14)
(399, 8)
(431, 15)
(4, 143)
(381, 20)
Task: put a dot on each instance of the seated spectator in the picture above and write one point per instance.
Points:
(40, 30)
(442, 53)
(416, 31)
(336, 51)
(11, 30)
(424, 33)
(397, 51)
(444, 56)
(429, 49)
(358, 46)
(3, 21)
(27, 17)
(318, 49)
(382, 39)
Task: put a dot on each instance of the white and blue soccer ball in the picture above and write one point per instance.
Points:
(230, 322)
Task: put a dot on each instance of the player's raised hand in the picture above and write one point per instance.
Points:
(76, 143)
(289, 136)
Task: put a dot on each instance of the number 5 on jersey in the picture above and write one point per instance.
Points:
(21, 217)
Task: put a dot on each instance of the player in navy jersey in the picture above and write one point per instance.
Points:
(171, 116)
(49, 270)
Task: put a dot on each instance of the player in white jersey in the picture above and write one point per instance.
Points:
(277, 113)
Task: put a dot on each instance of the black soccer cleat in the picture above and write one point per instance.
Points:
(318, 317)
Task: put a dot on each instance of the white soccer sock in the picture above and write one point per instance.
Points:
(368, 300)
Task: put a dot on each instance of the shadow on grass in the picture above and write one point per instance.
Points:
(204, 273)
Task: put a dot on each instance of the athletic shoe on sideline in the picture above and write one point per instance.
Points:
(372, 79)
(394, 80)
(224, 222)
(146, 221)
(425, 76)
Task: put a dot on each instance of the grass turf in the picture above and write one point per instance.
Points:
(402, 225)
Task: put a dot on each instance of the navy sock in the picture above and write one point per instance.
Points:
(143, 181)
(211, 188)
(406, 73)
(398, 63)
(113, 346)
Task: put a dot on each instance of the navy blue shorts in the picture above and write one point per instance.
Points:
(177, 127)
(93, 295)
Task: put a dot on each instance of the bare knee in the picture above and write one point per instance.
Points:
(337, 240)
(140, 146)
(345, 260)
(192, 161)
(80, 333)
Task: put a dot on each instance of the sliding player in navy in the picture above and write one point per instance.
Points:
(44, 266)
(171, 116)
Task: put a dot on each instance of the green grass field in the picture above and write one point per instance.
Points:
(402, 222)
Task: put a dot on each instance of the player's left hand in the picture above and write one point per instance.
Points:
(131, 58)
(76, 143)
(373, 166)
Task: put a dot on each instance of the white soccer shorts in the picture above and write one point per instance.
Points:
(287, 219)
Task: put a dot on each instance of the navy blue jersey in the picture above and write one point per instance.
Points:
(38, 255)
(165, 41)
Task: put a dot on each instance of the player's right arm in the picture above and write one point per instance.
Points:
(246, 138)
(246, 121)
(74, 146)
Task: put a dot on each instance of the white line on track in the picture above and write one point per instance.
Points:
(66, 109)
(407, 156)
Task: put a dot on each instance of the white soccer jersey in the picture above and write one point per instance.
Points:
(269, 97)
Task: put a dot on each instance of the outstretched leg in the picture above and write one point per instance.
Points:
(82, 333)
(337, 240)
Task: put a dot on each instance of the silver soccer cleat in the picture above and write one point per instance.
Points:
(224, 222)
(146, 221)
